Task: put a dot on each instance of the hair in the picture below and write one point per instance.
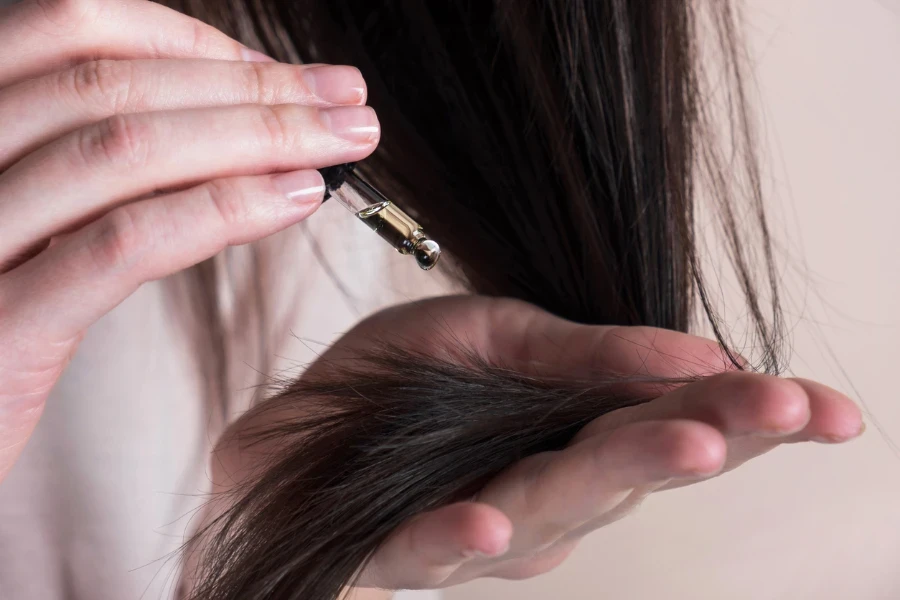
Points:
(557, 150)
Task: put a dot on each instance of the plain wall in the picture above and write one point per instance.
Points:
(806, 521)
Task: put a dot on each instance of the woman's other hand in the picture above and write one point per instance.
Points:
(136, 142)
(529, 518)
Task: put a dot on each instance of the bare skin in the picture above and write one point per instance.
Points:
(172, 105)
(530, 518)
(104, 103)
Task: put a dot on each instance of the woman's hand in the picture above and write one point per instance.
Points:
(529, 518)
(136, 142)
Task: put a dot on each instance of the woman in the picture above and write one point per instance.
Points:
(175, 155)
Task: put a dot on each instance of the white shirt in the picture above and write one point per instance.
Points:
(103, 494)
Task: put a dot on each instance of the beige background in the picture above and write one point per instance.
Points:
(810, 522)
(804, 522)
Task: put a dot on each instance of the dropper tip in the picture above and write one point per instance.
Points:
(427, 254)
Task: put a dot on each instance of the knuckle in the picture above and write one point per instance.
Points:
(106, 83)
(117, 242)
(227, 200)
(257, 80)
(201, 38)
(68, 15)
(276, 125)
(120, 141)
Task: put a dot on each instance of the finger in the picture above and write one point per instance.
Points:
(833, 418)
(95, 168)
(76, 281)
(425, 552)
(552, 346)
(95, 90)
(737, 404)
(548, 495)
(755, 412)
(533, 341)
(50, 35)
(518, 568)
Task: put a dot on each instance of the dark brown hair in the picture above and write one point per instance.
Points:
(556, 148)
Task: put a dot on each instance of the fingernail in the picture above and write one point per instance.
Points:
(832, 439)
(838, 439)
(353, 123)
(253, 56)
(338, 84)
(827, 439)
(302, 187)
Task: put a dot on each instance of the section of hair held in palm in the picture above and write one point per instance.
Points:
(558, 150)
(346, 456)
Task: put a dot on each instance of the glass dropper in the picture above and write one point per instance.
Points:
(387, 220)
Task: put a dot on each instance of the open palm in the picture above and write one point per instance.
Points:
(530, 517)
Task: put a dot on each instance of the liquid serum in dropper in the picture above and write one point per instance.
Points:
(381, 215)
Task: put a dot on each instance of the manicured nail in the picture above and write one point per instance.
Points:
(832, 439)
(353, 123)
(303, 187)
(253, 56)
(838, 439)
(336, 83)
(827, 439)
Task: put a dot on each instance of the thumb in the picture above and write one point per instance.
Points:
(428, 549)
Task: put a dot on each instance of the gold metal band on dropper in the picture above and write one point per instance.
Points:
(396, 227)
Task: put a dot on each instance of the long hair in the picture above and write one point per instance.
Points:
(557, 149)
